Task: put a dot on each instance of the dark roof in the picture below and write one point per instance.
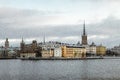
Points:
(75, 46)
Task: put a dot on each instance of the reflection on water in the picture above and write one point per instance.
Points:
(60, 70)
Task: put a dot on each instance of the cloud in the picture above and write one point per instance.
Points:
(98, 37)
(33, 24)
(25, 18)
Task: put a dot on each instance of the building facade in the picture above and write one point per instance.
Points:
(30, 50)
(92, 49)
(47, 53)
(58, 52)
(8, 52)
(27, 55)
(101, 50)
(73, 52)
(115, 50)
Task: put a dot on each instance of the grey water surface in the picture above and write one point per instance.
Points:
(101, 69)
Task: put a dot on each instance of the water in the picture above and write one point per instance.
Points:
(103, 69)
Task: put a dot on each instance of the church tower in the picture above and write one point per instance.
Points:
(84, 36)
(6, 43)
(22, 45)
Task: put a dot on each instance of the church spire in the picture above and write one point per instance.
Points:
(84, 36)
(84, 32)
(44, 39)
(22, 45)
(22, 40)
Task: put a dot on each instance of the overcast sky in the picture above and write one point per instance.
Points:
(60, 20)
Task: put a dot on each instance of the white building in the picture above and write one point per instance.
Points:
(87, 47)
(58, 52)
(12, 53)
(116, 50)
(92, 49)
(51, 44)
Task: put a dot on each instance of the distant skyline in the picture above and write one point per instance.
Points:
(60, 20)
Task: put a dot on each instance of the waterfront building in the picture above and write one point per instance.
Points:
(12, 54)
(3, 52)
(87, 47)
(51, 44)
(84, 42)
(34, 45)
(73, 52)
(101, 50)
(115, 50)
(51, 48)
(8, 52)
(30, 50)
(92, 49)
(48, 48)
(27, 55)
(58, 52)
(47, 53)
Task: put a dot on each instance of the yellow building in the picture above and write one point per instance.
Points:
(27, 55)
(73, 52)
(47, 53)
(100, 50)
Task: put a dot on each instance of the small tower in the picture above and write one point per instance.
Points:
(34, 46)
(6, 43)
(44, 40)
(34, 43)
(84, 36)
(22, 45)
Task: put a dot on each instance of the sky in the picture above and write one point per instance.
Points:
(60, 20)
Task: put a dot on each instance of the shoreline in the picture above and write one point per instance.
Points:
(61, 58)
(87, 58)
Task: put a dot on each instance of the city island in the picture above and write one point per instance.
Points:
(54, 50)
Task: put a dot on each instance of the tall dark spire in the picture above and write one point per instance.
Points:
(22, 45)
(84, 36)
(44, 39)
(22, 40)
(84, 32)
